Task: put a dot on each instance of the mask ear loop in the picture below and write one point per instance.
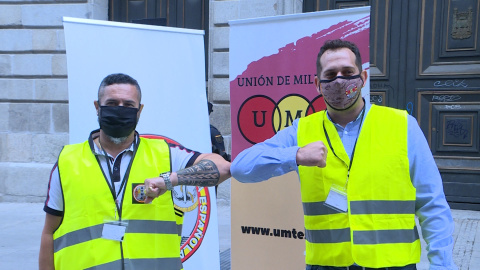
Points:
(363, 82)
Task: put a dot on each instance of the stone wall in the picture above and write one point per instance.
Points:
(33, 83)
(33, 91)
(221, 11)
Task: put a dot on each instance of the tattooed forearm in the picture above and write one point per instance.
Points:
(205, 173)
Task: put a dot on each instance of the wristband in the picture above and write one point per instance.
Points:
(166, 179)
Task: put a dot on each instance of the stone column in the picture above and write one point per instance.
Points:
(221, 11)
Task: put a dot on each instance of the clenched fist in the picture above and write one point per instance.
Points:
(154, 187)
(312, 154)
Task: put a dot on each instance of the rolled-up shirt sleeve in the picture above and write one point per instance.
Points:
(54, 201)
(273, 157)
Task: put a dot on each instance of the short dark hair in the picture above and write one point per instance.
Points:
(118, 78)
(335, 45)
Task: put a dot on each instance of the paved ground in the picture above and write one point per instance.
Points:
(22, 223)
(20, 229)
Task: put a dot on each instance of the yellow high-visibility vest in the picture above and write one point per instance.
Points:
(379, 228)
(151, 239)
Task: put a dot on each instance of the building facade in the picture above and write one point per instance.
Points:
(33, 79)
(425, 58)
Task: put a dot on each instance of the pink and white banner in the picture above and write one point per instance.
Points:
(272, 71)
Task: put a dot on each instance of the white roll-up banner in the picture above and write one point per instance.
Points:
(169, 65)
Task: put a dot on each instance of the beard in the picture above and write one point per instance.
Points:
(117, 141)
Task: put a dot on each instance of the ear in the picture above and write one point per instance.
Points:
(140, 110)
(318, 85)
(364, 76)
(97, 106)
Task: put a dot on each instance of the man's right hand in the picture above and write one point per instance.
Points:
(312, 154)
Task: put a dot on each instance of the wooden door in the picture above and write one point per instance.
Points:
(425, 58)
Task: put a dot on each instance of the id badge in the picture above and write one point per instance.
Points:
(337, 199)
(114, 230)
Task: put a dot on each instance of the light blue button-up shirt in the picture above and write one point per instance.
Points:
(277, 156)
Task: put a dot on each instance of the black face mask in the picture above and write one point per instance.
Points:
(117, 121)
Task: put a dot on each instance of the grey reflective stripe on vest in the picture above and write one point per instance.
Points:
(382, 207)
(77, 237)
(317, 209)
(362, 237)
(94, 232)
(141, 264)
(328, 236)
(179, 229)
(385, 236)
(152, 226)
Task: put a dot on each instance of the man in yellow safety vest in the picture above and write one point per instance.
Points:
(98, 212)
(365, 172)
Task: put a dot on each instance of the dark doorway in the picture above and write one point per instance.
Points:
(192, 14)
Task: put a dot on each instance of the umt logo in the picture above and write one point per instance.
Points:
(260, 117)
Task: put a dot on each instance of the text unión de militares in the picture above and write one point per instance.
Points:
(275, 80)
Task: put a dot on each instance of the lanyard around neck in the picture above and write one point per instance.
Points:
(125, 176)
(354, 146)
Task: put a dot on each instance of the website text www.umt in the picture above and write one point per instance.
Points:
(273, 232)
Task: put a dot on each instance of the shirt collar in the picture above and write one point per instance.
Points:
(367, 108)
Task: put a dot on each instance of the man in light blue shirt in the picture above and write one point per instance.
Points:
(340, 79)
